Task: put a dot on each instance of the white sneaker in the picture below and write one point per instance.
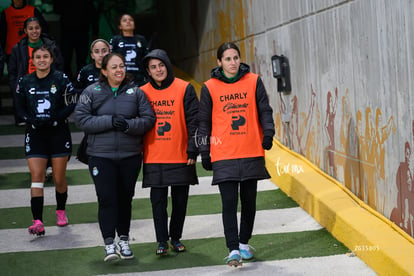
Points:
(246, 251)
(123, 248)
(110, 253)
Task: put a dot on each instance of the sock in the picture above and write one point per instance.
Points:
(61, 200)
(234, 252)
(36, 204)
(124, 238)
(109, 240)
(243, 246)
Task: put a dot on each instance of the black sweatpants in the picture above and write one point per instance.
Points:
(229, 192)
(159, 201)
(115, 182)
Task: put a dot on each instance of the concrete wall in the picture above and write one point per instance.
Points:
(350, 111)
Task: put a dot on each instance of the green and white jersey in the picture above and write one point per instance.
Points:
(49, 98)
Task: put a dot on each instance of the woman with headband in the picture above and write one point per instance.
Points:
(90, 73)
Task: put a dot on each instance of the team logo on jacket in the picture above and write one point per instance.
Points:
(130, 55)
(130, 91)
(53, 89)
(163, 127)
(95, 171)
(237, 122)
(42, 105)
(98, 88)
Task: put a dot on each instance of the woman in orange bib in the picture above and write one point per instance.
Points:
(11, 23)
(20, 61)
(236, 126)
(170, 150)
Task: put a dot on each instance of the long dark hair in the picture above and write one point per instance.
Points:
(225, 46)
(105, 60)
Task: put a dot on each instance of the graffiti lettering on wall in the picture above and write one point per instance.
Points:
(354, 152)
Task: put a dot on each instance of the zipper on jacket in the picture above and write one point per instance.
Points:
(117, 141)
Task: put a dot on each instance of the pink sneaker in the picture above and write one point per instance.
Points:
(37, 228)
(61, 218)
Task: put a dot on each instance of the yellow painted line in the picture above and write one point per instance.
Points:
(372, 237)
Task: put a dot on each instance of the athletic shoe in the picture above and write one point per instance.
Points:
(246, 252)
(110, 252)
(123, 248)
(162, 249)
(177, 246)
(61, 218)
(37, 228)
(234, 259)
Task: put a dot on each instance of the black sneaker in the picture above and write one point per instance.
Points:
(177, 246)
(162, 249)
(123, 248)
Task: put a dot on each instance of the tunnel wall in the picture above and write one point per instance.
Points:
(350, 111)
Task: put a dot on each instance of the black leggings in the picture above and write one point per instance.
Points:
(229, 192)
(115, 182)
(159, 201)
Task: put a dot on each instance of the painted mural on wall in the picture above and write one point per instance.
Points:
(357, 158)
(403, 213)
(357, 145)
